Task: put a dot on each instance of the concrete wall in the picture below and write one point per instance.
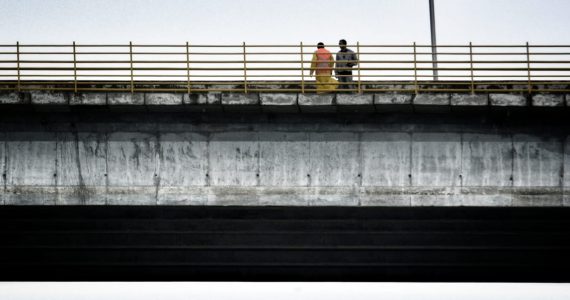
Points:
(154, 158)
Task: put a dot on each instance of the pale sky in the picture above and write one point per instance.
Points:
(284, 21)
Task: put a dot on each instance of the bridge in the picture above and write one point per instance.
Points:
(221, 162)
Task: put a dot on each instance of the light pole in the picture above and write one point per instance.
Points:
(433, 40)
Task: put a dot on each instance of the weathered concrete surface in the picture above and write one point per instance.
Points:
(31, 168)
(487, 160)
(88, 99)
(203, 99)
(49, 98)
(284, 159)
(355, 99)
(279, 102)
(234, 158)
(385, 196)
(100, 157)
(334, 159)
(283, 102)
(14, 98)
(507, 100)
(386, 159)
(183, 160)
(241, 102)
(240, 99)
(469, 103)
(133, 167)
(436, 162)
(432, 103)
(203, 102)
(455, 196)
(386, 168)
(436, 159)
(163, 99)
(432, 99)
(125, 99)
(538, 162)
(81, 168)
(311, 103)
(469, 99)
(393, 102)
(359, 103)
(548, 100)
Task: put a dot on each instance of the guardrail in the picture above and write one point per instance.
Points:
(246, 68)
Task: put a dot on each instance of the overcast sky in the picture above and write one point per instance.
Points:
(284, 21)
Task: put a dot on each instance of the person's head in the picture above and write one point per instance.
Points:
(342, 44)
(320, 45)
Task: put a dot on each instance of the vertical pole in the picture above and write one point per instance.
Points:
(302, 70)
(244, 70)
(188, 65)
(18, 64)
(471, 63)
(358, 62)
(528, 68)
(131, 61)
(415, 70)
(74, 68)
(433, 39)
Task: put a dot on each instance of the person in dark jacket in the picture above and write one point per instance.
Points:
(345, 60)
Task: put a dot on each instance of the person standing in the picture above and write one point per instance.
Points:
(345, 60)
(322, 64)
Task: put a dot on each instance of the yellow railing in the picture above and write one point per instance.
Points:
(190, 68)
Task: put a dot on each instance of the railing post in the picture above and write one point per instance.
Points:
(302, 70)
(358, 62)
(528, 68)
(188, 65)
(415, 70)
(74, 68)
(18, 63)
(131, 61)
(244, 70)
(471, 63)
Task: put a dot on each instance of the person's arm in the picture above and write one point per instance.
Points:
(313, 64)
(355, 59)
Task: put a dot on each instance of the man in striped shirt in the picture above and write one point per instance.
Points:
(345, 60)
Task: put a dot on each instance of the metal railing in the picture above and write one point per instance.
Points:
(189, 68)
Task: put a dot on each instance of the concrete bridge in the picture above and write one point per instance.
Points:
(285, 186)
(403, 149)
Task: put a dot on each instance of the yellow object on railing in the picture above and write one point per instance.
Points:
(268, 68)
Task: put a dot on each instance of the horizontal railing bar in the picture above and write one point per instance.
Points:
(277, 75)
(277, 53)
(286, 76)
(287, 45)
(282, 61)
(267, 69)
